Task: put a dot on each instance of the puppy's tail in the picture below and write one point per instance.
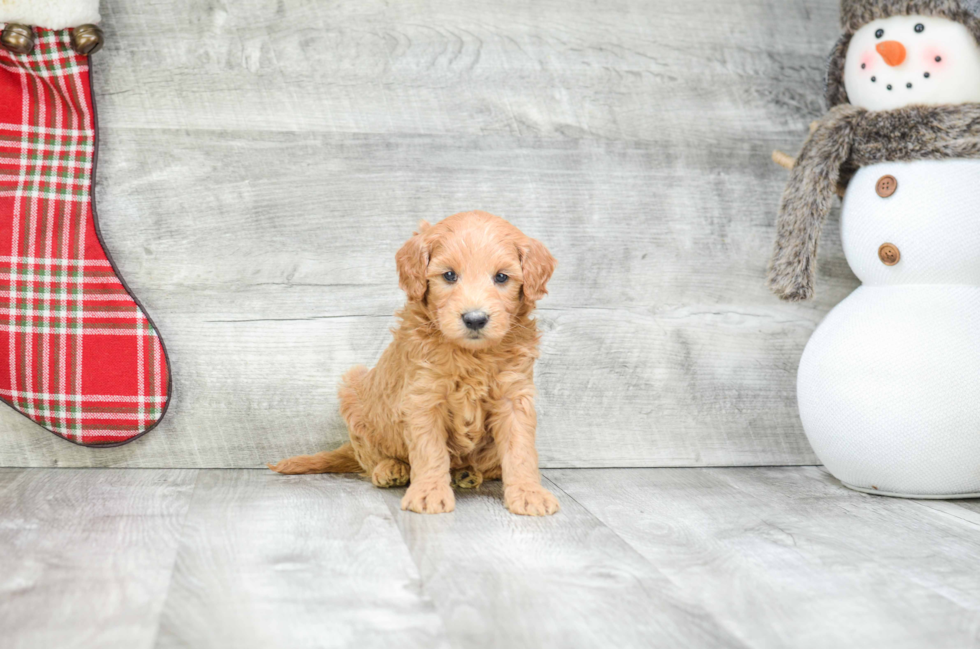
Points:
(341, 460)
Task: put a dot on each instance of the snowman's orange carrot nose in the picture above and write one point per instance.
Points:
(892, 51)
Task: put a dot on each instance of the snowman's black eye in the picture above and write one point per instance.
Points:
(879, 33)
(920, 28)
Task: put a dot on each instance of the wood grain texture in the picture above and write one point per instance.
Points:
(86, 555)
(262, 161)
(500, 580)
(270, 561)
(788, 557)
(754, 558)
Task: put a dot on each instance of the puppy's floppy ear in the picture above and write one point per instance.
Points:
(412, 262)
(537, 264)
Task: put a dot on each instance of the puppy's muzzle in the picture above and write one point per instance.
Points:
(475, 320)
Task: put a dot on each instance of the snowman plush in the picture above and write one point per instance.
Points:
(889, 384)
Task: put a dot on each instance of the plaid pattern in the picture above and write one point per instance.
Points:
(77, 354)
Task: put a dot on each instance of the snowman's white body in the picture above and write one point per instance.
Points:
(889, 384)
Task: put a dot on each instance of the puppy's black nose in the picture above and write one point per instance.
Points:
(475, 320)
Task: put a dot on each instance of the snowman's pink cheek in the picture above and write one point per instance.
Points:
(869, 60)
(934, 58)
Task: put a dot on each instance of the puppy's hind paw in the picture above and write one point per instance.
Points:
(429, 499)
(390, 473)
(467, 478)
(530, 500)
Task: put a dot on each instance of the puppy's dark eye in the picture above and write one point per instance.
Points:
(920, 28)
(879, 33)
(450, 276)
(500, 278)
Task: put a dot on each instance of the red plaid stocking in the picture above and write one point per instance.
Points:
(77, 353)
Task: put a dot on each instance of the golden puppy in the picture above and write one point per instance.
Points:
(453, 395)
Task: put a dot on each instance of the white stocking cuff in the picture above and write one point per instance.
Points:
(50, 14)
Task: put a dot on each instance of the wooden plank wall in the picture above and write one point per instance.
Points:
(263, 160)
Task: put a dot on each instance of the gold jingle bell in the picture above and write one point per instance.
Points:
(87, 39)
(18, 39)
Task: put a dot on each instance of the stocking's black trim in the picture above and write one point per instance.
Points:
(122, 280)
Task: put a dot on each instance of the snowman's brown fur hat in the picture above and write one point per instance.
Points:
(855, 14)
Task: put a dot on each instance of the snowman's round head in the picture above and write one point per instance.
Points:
(895, 53)
(905, 60)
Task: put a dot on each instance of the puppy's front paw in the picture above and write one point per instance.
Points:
(429, 499)
(530, 500)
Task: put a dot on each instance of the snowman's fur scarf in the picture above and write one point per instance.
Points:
(50, 14)
(855, 14)
(846, 139)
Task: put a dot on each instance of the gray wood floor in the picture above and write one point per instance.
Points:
(763, 557)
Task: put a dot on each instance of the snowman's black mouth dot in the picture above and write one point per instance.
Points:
(864, 65)
(908, 85)
(926, 75)
(889, 86)
(939, 59)
(873, 79)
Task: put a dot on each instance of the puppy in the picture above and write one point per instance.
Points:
(453, 395)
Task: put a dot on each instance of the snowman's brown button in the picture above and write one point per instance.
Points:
(887, 185)
(888, 254)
